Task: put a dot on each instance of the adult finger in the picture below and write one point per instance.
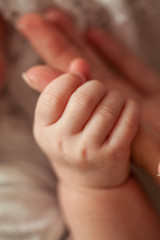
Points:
(67, 25)
(138, 72)
(38, 77)
(48, 41)
(146, 151)
(58, 18)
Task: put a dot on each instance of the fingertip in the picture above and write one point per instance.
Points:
(27, 22)
(31, 83)
(38, 77)
(81, 67)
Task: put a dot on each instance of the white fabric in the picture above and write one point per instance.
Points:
(28, 205)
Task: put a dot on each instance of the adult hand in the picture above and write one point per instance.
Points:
(57, 41)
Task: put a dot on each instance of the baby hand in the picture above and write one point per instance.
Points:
(86, 131)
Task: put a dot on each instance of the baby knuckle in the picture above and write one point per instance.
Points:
(74, 78)
(50, 99)
(108, 111)
(83, 99)
(131, 123)
(113, 151)
(97, 84)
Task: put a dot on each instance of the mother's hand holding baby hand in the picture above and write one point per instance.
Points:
(57, 41)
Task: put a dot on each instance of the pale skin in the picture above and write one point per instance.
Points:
(80, 125)
(127, 187)
(63, 43)
(86, 132)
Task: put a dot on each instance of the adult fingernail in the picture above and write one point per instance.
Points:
(30, 82)
(25, 78)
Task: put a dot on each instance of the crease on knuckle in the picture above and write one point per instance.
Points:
(107, 111)
(83, 99)
(97, 84)
(73, 78)
(51, 98)
(131, 123)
